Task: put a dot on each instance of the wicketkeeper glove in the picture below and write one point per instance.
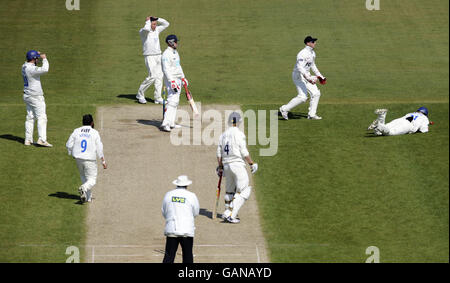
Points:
(174, 86)
(254, 167)
(185, 82)
(322, 81)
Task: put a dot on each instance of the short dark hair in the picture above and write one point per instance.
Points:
(87, 120)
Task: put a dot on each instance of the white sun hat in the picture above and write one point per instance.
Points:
(182, 181)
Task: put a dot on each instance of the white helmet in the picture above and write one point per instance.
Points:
(234, 119)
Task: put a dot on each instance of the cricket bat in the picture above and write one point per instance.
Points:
(191, 100)
(214, 215)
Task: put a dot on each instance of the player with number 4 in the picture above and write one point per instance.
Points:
(231, 155)
(85, 146)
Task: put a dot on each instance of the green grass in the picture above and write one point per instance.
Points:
(333, 190)
(329, 193)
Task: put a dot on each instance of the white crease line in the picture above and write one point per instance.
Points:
(93, 254)
(257, 254)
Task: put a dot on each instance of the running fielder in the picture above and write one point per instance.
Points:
(33, 96)
(415, 122)
(174, 79)
(231, 155)
(304, 82)
(152, 54)
(85, 145)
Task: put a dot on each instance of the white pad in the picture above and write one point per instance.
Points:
(238, 202)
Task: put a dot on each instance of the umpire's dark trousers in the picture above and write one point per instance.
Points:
(172, 246)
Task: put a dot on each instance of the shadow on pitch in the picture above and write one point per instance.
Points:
(65, 195)
(293, 115)
(154, 123)
(133, 97)
(13, 138)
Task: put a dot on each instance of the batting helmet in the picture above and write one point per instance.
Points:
(32, 54)
(234, 119)
(171, 38)
(423, 110)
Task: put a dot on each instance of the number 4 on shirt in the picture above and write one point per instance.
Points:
(227, 149)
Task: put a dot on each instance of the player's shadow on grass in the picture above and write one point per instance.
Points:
(65, 195)
(13, 138)
(133, 97)
(293, 115)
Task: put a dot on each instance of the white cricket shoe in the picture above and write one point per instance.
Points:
(159, 101)
(27, 142)
(166, 128)
(142, 101)
(315, 117)
(373, 125)
(380, 111)
(232, 220)
(82, 194)
(175, 126)
(226, 214)
(43, 143)
(284, 114)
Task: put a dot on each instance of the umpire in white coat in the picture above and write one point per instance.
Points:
(179, 208)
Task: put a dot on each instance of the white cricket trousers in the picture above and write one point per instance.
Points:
(155, 76)
(237, 183)
(88, 174)
(396, 127)
(303, 88)
(35, 111)
(173, 99)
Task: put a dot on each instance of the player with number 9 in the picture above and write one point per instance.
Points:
(85, 146)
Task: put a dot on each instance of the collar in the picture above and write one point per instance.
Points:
(309, 48)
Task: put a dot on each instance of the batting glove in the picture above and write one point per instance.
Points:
(219, 171)
(254, 167)
(185, 82)
(174, 86)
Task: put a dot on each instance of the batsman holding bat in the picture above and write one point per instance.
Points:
(304, 82)
(174, 79)
(231, 155)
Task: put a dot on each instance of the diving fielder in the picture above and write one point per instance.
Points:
(304, 82)
(231, 155)
(85, 145)
(152, 54)
(33, 96)
(415, 122)
(174, 79)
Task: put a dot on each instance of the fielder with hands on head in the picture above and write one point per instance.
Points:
(33, 96)
(179, 208)
(152, 54)
(231, 156)
(415, 122)
(85, 145)
(304, 82)
(173, 78)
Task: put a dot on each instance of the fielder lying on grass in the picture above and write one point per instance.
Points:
(416, 122)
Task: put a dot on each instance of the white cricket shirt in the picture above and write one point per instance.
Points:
(150, 38)
(305, 62)
(171, 64)
(85, 143)
(32, 77)
(232, 146)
